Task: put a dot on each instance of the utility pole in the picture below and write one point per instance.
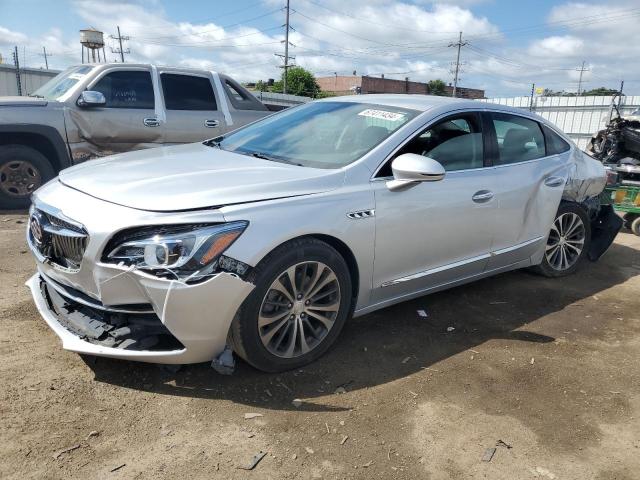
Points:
(458, 44)
(286, 51)
(581, 70)
(120, 50)
(533, 87)
(46, 62)
(286, 56)
(16, 63)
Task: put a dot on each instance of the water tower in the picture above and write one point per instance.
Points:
(92, 41)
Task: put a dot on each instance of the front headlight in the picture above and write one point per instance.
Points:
(187, 252)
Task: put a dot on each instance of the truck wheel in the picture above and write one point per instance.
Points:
(635, 226)
(22, 171)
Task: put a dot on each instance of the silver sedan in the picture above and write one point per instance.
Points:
(265, 241)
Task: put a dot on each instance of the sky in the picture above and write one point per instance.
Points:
(509, 44)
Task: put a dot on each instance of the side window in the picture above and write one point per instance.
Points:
(519, 139)
(554, 142)
(187, 92)
(455, 142)
(126, 89)
(236, 94)
(239, 97)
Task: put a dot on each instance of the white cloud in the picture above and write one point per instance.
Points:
(562, 46)
(399, 38)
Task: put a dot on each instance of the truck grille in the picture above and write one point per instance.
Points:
(57, 240)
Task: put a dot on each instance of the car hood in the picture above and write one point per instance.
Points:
(193, 176)
(22, 102)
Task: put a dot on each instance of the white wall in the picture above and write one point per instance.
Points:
(31, 79)
(578, 117)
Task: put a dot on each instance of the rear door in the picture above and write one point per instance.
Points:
(122, 124)
(530, 179)
(192, 108)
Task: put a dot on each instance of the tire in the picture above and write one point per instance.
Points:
(266, 330)
(22, 171)
(554, 266)
(628, 219)
(635, 226)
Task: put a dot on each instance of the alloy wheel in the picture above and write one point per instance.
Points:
(566, 241)
(299, 309)
(19, 178)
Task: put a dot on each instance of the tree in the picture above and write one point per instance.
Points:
(299, 82)
(437, 87)
(600, 91)
(261, 86)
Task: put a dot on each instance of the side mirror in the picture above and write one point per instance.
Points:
(410, 169)
(90, 98)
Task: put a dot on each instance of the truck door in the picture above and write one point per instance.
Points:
(192, 108)
(126, 122)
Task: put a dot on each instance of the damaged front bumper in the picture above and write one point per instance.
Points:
(177, 326)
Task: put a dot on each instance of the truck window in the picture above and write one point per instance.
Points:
(187, 92)
(126, 89)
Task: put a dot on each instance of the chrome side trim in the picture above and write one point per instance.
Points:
(431, 271)
(516, 247)
(461, 263)
(64, 293)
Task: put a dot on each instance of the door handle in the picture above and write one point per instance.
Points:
(482, 196)
(554, 181)
(211, 123)
(151, 122)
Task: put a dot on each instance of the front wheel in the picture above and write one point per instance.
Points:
(301, 301)
(568, 241)
(22, 171)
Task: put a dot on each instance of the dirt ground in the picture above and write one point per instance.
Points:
(549, 367)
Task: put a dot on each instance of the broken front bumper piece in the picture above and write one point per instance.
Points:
(177, 326)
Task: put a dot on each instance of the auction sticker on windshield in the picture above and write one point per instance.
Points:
(382, 114)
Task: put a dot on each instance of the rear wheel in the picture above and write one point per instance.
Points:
(22, 171)
(298, 308)
(568, 241)
(635, 226)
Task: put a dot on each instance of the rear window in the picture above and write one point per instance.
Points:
(187, 92)
(555, 143)
(519, 139)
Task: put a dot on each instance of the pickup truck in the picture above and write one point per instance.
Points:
(94, 110)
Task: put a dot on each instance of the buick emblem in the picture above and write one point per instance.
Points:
(36, 230)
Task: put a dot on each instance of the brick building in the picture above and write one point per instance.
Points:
(347, 84)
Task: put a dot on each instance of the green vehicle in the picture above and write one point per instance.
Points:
(626, 198)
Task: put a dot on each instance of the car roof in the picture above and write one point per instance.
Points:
(413, 101)
(422, 103)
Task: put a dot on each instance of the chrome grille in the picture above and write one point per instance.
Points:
(57, 240)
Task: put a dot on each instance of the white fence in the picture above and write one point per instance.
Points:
(281, 99)
(578, 117)
(30, 78)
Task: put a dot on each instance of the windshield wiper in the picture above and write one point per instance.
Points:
(273, 159)
(33, 95)
(214, 142)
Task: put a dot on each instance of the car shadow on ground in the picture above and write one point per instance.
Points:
(392, 343)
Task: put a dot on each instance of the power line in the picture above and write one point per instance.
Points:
(204, 32)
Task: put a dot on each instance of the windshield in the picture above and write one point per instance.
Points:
(319, 134)
(62, 83)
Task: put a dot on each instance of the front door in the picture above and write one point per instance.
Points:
(126, 122)
(435, 233)
(191, 108)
